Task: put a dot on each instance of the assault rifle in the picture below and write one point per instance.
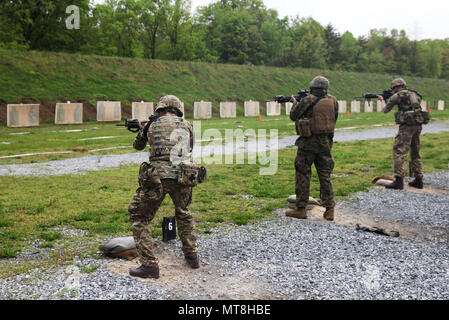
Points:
(133, 124)
(386, 94)
(283, 99)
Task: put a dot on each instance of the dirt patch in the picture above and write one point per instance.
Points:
(350, 219)
(426, 190)
(208, 281)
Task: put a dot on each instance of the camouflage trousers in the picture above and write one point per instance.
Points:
(324, 165)
(407, 140)
(143, 208)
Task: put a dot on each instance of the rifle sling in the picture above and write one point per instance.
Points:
(145, 129)
(313, 104)
(414, 91)
(307, 110)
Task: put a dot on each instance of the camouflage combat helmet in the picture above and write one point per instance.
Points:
(319, 82)
(170, 101)
(398, 82)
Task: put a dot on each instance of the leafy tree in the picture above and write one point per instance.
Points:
(332, 43)
(153, 20)
(445, 63)
(40, 24)
(349, 50)
(309, 46)
(226, 31)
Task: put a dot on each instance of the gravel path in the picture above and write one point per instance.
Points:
(82, 165)
(282, 259)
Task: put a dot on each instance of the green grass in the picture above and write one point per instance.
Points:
(50, 236)
(47, 76)
(90, 269)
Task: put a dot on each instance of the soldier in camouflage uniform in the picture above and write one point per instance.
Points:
(408, 136)
(321, 112)
(171, 142)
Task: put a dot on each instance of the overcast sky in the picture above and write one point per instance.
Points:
(421, 19)
(428, 19)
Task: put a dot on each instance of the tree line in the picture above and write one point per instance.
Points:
(226, 31)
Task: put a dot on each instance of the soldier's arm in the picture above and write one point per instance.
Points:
(394, 100)
(192, 137)
(140, 142)
(298, 110)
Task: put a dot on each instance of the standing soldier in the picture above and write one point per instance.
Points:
(171, 142)
(410, 119)
(315, 117)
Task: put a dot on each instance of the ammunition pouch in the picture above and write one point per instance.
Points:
(412, 117)
(422, 117)
(190, 174)
(149, 177)
(202, 175)
(303, 128)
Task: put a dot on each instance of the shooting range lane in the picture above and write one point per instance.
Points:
(282, 258)
(82, 165)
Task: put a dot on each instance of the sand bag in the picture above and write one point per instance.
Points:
(312, 201)
(123, 247)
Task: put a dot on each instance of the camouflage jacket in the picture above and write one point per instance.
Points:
(405, 100)
(317, 143)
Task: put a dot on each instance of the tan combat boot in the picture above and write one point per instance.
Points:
(329, 214)
(151, 271)
(299, 213)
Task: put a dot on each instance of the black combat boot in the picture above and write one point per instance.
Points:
(151, 271)
(417, 183)
(398, 183)
(193, 261)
